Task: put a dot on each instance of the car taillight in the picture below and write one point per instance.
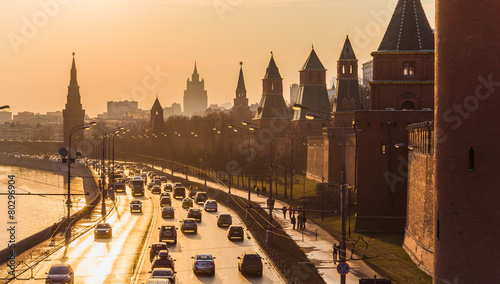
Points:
(151, 250)
(196, 263)
(212, 263)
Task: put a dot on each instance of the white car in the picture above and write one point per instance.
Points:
(210, 205)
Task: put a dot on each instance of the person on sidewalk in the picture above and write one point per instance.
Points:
(291, 212)
(335, 252)
(257, 190)
(293, 221)
(284, 212)
(299, 222)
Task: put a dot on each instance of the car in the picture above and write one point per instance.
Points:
(163, 178)
(165, 201)
(163, 194)
(163, 254)
(200, 197)
(135, 205)
(203, 263)
(235, 232)
(168, 233)
(155, 248)
(166, 262)
(179, 192)
(150, 185)
(210, 205)
(103, 230)
(150, 174)
(250, 263)
(167, 211)
(187, 202)
(195, 214)
(143, 175)
(193, 190)
(224, 219)
(167, 187)
(157, 181)
(164, 273)
(178, 184)
(189, 224)
(60, 273)
(156, 189)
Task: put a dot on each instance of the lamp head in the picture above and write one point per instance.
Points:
(6, 107)
(312, 116)
(299, 107)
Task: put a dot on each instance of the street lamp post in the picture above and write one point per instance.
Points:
(254, 127)
(69, 160)
(237, 129)
(204, 160)
(343, 177)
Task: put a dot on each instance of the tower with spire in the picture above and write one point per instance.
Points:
(241, 110)
(347, 92)
(403, 65)
(272, 105)
(312, 90)
(195, 95)
(156, 122)
(73, 113)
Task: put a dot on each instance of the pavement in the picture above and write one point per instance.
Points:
(315, 242)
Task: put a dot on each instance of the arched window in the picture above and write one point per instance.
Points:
(351, 68)
(272, 86)
(343, 69)
(344, 103)
(408, 105)
(352, 104)
(383, 148)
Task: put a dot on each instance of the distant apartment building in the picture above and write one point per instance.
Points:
(5, 117)
(175, 109)
(367, 72)
(294, 93)
(121, 109)
(34, 119)
(195, 95)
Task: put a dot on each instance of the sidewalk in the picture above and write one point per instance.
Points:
(315, 242)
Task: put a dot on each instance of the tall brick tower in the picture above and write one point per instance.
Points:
(272, 105)
(467, 145)
(73, 113)
(241, 110)
(312, 91)
(403, 65)
(347, 80)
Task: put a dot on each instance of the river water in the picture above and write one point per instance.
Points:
(34, 213)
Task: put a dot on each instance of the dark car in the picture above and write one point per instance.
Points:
(195, 214)
(103, 230)
(167, 211)
(179, 192)
(168, 187)
(60, 273)
(163, 178)
(164, 194)
(250, 263)
(156, 189)
(200, 197)
(150, 185)
(157, 181)
(135, 205)
(168, 233)
(189, 224)
(165, 201)
(193, 190)
(155, 249)
(224, 219)
(235, 232)
(163, 262)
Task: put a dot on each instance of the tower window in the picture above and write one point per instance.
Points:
(471, 159)
(344, 103)
(319, 77)
(409, 68)
(383, 148)
(350, 68)
(156, 112)
(343, 69)
(352, 104)
(272, 86)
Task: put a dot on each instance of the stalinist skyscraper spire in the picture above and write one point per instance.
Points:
(73, 113)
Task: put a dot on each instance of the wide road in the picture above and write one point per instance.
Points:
(125, 257)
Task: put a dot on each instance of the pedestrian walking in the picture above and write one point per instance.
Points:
(290, 211)
(335, 252)
(299, 222)
(293, 221)
(284, 212)
(257, 190)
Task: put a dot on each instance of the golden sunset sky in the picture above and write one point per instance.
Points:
(133, 49)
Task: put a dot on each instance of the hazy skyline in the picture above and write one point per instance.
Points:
(132, 50)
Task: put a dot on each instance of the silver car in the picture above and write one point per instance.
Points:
(60, 273)
(210, 205)
(203, 262)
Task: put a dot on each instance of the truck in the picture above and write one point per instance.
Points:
(138, 186)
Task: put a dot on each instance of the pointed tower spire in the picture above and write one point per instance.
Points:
(73, 88)
(73, 113)
(195, 77)
(313, 62)
(347, 51)
(241, 92)
(408, 29)
(272, 70)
